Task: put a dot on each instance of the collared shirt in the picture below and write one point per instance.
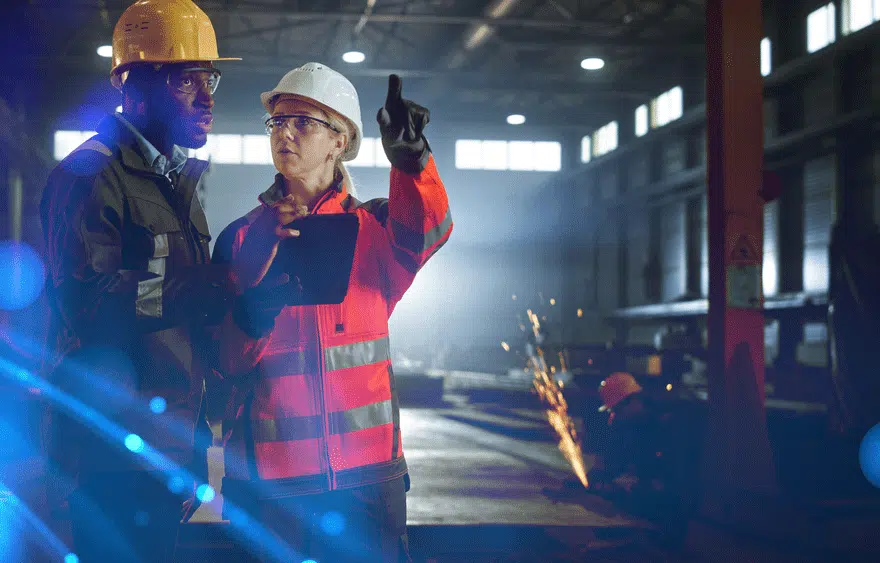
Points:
(156, 160)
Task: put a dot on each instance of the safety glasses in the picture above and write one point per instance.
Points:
(304, 124)
(190, 80)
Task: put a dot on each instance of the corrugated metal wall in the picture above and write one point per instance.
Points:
(640, 171)
(818, 100)
(638, 234)
(771, 118)
(819, 205)
(674, 156)
(672, 250)
(608, 243)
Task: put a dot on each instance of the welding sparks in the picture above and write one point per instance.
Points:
(550, 392)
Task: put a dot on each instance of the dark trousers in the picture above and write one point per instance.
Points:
(124, 517)
(361, 525)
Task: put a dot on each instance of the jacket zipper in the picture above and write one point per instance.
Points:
(331, 476)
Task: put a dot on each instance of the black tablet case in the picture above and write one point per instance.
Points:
(321, 257)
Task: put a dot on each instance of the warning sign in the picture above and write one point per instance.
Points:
(744, 251)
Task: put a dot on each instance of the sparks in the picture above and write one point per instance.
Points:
(550, 391)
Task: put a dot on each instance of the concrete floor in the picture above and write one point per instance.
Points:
(487, 485)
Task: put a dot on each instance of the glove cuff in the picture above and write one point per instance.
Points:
(414, 163)
(256, 324)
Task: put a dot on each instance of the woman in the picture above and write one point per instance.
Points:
(314, 449)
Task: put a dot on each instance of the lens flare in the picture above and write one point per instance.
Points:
(23, 275)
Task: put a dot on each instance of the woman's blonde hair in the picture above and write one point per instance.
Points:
(341, 124)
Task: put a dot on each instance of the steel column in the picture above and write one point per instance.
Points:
(738, 459)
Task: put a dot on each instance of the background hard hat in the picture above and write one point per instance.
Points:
(617, 387)
(162, 31)
(330, 90)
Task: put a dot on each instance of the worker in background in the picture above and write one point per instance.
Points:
(315, 453)
(649, 462)
(132, 290)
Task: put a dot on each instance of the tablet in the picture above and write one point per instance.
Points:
(321, 256)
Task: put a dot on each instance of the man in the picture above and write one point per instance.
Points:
(133, 291)
(650, 460)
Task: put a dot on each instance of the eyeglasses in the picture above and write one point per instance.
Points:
(188, 82)
(304, 124)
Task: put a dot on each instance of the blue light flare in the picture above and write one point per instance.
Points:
(158, 405)
(71, 558)
(134, 443)
(23, 275)
(869, 455)
(205, 493)
(333, 523)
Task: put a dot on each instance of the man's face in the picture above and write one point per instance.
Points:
(189, 101)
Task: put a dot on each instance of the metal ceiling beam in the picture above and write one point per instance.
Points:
(696, 47)
(270, 11)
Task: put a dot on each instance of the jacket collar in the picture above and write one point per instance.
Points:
(330, 202)
(137, 153)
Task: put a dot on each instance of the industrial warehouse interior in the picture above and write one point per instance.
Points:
(667, 204)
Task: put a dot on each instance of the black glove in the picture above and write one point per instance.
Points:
(401, 123)
(255, 310)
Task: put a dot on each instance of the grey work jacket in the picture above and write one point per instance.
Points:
(133, 295)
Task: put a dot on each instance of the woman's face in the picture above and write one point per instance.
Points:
(302, 146)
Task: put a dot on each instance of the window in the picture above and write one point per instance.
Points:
(371, 154)
(641, 120)
(67, 141)
(542, 156)
(766, 61)
(820, 28)
(605, 139)
(858, 14)
(494, 155)
(226, 149)
(586, 148)
(256, 149)
(666, 107)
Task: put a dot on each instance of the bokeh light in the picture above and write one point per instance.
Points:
(869, 456)
(71, 558)
(333, 523)
(176, 484)
(158, 405)
(205, 493)
(22, 273)
(134, 443)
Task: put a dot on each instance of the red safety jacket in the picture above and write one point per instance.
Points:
(321, 412)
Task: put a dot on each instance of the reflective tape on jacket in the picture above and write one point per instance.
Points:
(309, 427)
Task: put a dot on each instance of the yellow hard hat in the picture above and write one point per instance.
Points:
(162, 31)
(615, 388)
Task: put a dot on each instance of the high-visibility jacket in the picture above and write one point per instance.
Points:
(320, 411)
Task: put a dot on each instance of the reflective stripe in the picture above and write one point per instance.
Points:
(420, 242)
(357, 354)
(160, 246)
(298, 362)
(309, 427)
(149, 298)
(361, 418)
(286, 429)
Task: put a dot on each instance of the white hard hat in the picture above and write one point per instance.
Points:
(330, 90)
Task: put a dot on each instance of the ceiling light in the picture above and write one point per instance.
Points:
(593, 63)
(354, 57)
(105, 51)
(516, 119)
